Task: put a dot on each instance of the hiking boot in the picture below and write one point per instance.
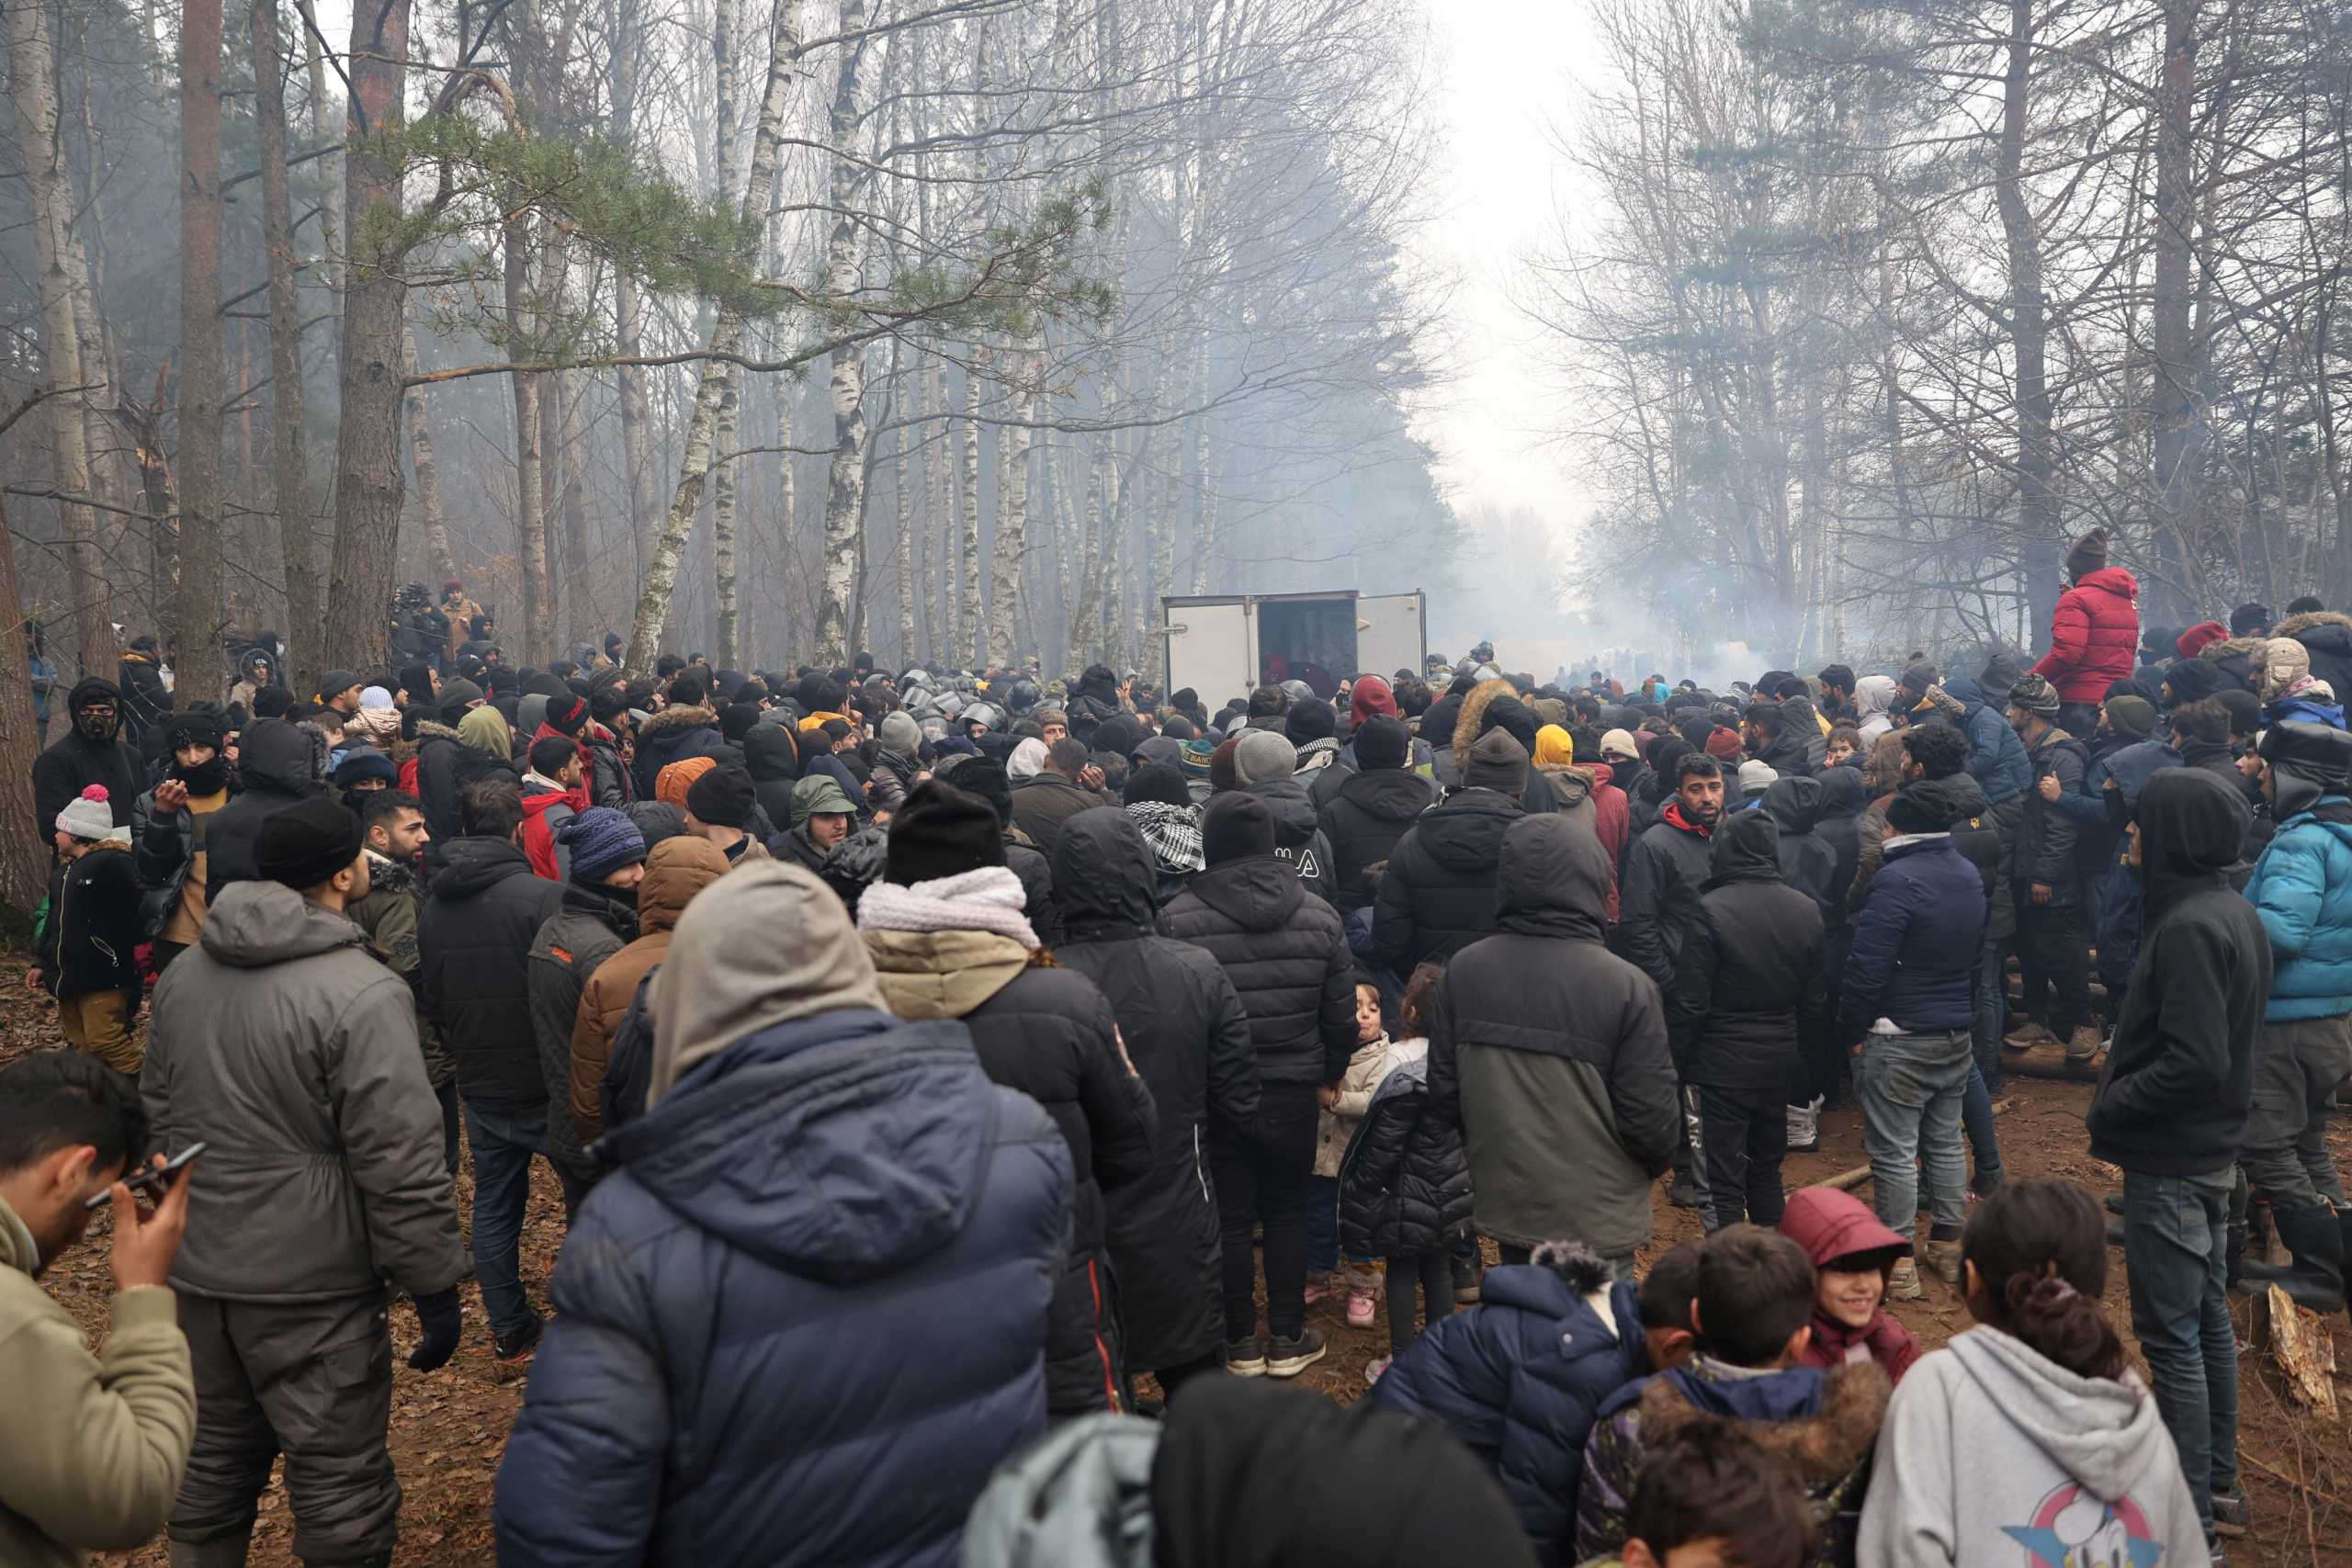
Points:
(1804, 1127)
(2315, 1280)
(1943, 1260)
(1322, 1287)
(1246, 1358)
(1903, 1282)
(519, 1346)
(1374, 1367)
(2030, 1037)
(2083, 1045)
(1288, 1357)
(1685, 1193)
(1466, 1276)
(2230, 1515)
(1360, 1307)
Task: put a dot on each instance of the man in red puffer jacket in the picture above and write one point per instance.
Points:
(2094, 634)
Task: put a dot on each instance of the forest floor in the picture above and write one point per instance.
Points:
(448, 1427)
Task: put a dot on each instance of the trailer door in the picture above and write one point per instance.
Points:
(1389, 634)
(1211, 647)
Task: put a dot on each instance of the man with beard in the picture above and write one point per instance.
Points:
(396, 837)
(168, 828)
(1658, 897)
(90, 752)
(2053, 947)
(596, 919)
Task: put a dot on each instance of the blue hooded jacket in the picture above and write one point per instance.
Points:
(2302, 889)
(1916, 940)
(1996, 758)
(1521, 1381)
(804, 1320)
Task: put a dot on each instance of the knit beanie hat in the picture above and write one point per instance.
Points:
(1618, 744)
(1916, 679)
(1755, 776)
(363, 762)
(2135, 716)
(1381, 742)
(1310, 720)
(334, 682)
(899, 734)
(1917, 810)
(2088, 555)
(1497, 762)
(566, 714)
(1158, 782)
(1514, 719)
(1372, 698)
(417, 680)
(2192, 679)
(87, 815)
(1723, 744)
(2035, 695)
(942, 831)
(1223, 771)
(670, 786)
(1261, 756)
(2250, 619)
(457, 697)
(987, 777)
(1235, 825)
(602, 841)
(308, 842)
(722, 796)
(1198, 754)
(202, 726)
(2191, 643)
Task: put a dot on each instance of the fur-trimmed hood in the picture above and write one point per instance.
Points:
(2251, 647)
(691, 716)
(2295, 625)
(433, 729)
(1474, 714)
(1826, 1445)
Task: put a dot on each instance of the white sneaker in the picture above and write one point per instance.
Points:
(1804, 1127)
(1902, 1281)
(1374, 1367)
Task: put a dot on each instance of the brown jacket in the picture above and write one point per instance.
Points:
(676, 870)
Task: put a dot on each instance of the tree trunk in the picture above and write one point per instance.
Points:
(968, 586)
(727, 644)
(24, 841)
(367, 482)
(530, 497)
(903, 540)
(428, 471)
(571, 507)
(725, 338)
(287, 445)
(2173, 388)
(637, 462)
(202, 374)
(845, 486)
(2030, 330)
(1012, 512)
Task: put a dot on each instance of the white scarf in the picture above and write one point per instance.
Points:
(988, 899)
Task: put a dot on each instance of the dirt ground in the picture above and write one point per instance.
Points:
(449, 1427)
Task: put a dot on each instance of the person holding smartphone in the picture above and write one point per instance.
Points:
(92, 1448)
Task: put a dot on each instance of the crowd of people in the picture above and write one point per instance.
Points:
(928, 1059)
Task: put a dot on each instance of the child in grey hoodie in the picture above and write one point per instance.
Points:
(2030, 1431)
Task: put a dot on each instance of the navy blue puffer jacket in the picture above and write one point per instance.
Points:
(804, 1319)
(1520, 1380)
(1916, 942)
(1996, 758)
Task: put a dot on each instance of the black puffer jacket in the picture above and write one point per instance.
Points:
(481, 915)
(73, 763)
(773, 763)
(1808, 863)
(1438, 894)
(1037, 874)
(146, 706)
(445, 765)
(2327, 638)
(1365, 817)
(1287, 956)
(672, 736)
(610, 782)
(1298, 837)
(279, 765)
(1187, 1035)
(591, 924)
(1404, 1186)
(2046, 834)
(1656, 895)
(1748, 986)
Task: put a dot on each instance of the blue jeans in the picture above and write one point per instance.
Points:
(503, 1143)
(2176, 1232)
(1984, 1140)
(1322, 1224)
(1910, 1086)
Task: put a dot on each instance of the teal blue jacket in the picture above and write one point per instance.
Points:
(2302, 889)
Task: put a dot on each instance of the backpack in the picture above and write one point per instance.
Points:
(628, 1071)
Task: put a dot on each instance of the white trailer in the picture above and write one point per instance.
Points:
(1222, 645)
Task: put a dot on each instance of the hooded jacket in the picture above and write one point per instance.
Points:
(281, 1044)
(2173, 1097)
(1875, 697)
(1664, 866)
(816, 1188)
(1439, 892)
(146, 704)
(1298, 835)
(1404, 1187)
(1830, 1224)
(1520, 1380)
(1826, 1423)
(1749, 984)
(1988, 1447)
(1808, 865)
(72, 762)
(2093, 635)
(2327, 638)
(93, 1448)
(1916, 938)
(675, 870)
(590, 925)
(1049, 1033)
(1997, 757)
(279, 764)
(1550, 1053)
(674, 735)
(1185, 1028)
(2048, 839)
(90, 938)
(1041, 805)
(481, 914)
(445, 763)
(774, 766)
(1288, 957)
(2302, 888)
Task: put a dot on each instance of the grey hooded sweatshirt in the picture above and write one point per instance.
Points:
(1990, 1452)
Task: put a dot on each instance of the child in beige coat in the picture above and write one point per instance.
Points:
(1343, 1110)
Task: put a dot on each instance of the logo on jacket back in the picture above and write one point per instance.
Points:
(1303, 860)
(2072, 1529)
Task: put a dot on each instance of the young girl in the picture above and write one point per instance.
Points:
(1404, 1186)
(2032, 1430)
(1852, 1254)
(1343, 1110)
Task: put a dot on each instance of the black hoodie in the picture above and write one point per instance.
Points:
(1364, 819)
(474, 938)
(279, 765)
(1440, 893)
(1298, 837)
(1749, 982)
(1808, 863)
(73, 763)
(2173, 1098)
(1287, 956)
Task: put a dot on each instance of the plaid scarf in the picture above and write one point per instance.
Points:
(1172, 831)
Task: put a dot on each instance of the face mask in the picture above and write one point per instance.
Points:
(206, 778)
(93, 725)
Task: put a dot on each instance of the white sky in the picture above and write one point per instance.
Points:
(1503, 71)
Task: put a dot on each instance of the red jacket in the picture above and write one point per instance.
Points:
(2094, 636)
(1830, 1224)
(543, 812)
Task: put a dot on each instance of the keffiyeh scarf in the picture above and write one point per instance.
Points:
(1172, 831)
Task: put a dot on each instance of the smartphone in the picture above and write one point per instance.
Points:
(150, 1177)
